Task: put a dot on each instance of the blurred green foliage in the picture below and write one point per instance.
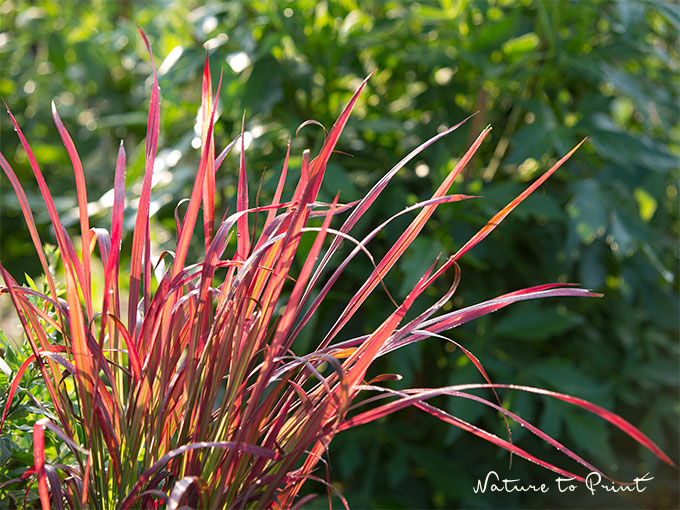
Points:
(543, 74)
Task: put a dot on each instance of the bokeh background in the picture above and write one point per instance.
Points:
(543, 74)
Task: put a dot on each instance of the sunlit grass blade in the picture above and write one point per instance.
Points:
(111, 299)
(503, 213)
(458, 317)
(318, 164)
(62, 241)
(81, 193)
(401, 244)
(243, 233)
(194, 202)
(279, 189)
(39, 463)
(354, 217)
(141, 232)
(209, 142)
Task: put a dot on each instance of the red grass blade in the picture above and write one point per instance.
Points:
(13, 387)
(361, 247)
(223, 154)
(130, 345)
(318, 164)
(603, 413)
(55, 486)
(500, 216)
(358, 362)
(141, 232)
(208, 143)
(458, 317)
(81, 191)
(39, 463)
(286, 321)
(360, 209)
(194, 202)
(62, 240)
(417, 400)
(242, 232)
(401, 245)
(111, 292)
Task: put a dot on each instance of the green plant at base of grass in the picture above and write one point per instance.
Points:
(197, 398)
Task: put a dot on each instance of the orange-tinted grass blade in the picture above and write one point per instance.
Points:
(242, 233)
(343, 353)
(132, 352)
(82, 356)
(39, 463)
(81, 192)
(208, 144)
(194, 202)
(361, 246)
(288, 316)
(500, 215)
(358, 362)
(141, 231)
(385, 378)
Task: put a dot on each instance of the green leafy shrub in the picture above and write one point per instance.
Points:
(194, 395)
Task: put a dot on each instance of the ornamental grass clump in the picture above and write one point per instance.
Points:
(194, 396)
